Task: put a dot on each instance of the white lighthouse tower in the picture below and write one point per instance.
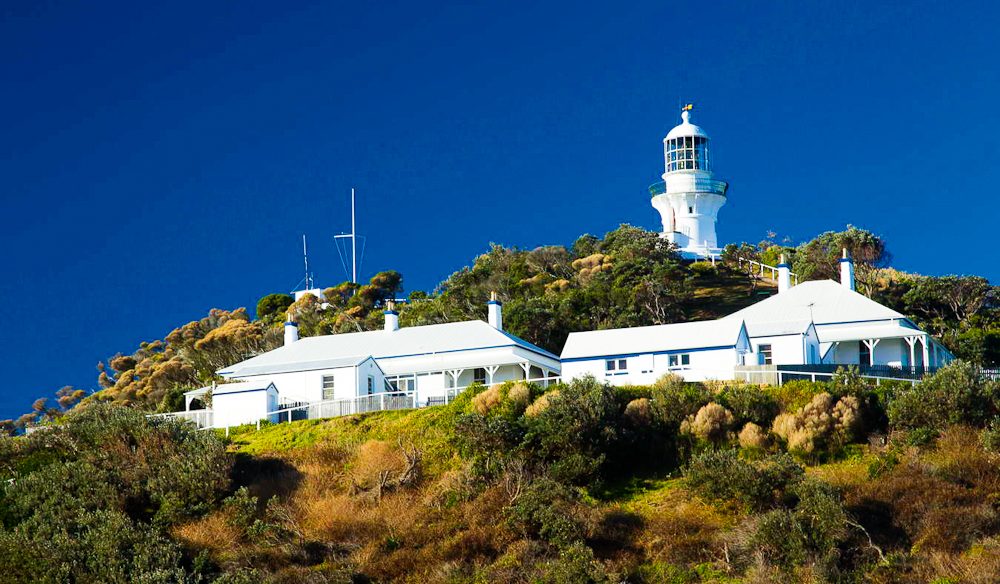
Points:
(689, 198)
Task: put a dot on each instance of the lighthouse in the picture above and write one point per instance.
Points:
(689, 197)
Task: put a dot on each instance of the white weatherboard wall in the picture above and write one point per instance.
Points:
(789, 349)
(696, 351)
(236, 406)
(307, 386)
(644, 369)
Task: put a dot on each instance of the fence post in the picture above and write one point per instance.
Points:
(258, 425)
(382, 401)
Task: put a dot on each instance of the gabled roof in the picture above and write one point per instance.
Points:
(286, 367)
(819, 301)
(653, 339)
(405, 342)
(241, 386)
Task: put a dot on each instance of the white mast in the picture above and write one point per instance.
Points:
(305, 258)
(353, 236)
(354, 243)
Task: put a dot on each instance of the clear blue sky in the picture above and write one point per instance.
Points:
(156, 162)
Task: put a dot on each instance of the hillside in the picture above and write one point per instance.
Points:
(675, 483)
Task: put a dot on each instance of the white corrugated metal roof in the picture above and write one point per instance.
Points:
(240, 386)
(770, 329)
(407, 341)
(653, 339)
(333, 363)
(830, 303)
(868, 331)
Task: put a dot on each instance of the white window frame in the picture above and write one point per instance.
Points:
(328, 383)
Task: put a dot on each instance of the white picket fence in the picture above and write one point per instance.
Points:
(379, 402)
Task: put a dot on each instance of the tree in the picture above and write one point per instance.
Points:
(273, 305)
(818, 259)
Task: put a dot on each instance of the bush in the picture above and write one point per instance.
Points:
(711, 424)
(546, 510)
(273, 305)
(724, 476)
(703, 269)
(749, 404)
(954, 394)
(990, 436)
(753, 437)
(824, 423)
(674, 399)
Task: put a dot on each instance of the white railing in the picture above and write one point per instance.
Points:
(201, 418)
(778, 377)
(771, 271)
(363, 404)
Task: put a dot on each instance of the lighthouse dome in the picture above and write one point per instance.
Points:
(686, 147)
(686, 128)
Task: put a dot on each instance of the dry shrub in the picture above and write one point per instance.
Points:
(213, 532)
(711, 423)
(822, 421)
(639, 412)
(590, 266)
(484, 401)
(540, 404)
(753, 436)
(959, 457)
(519, 395)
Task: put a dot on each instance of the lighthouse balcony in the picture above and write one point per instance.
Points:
(688, 183)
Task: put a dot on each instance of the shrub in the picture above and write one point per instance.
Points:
(753, 437)
(273, 305)
(749, 403)
(546, 510)
(703, 269)
(778, 539)
(954, 394)
(541, 403)
(724, 476)
(990, 436)
(487, 400)
(823, 422)
(639, 412)
(711, 424)
(674, 399)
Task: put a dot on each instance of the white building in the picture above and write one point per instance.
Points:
(819, 323)
(697, 351)
(425, 360)
(689, 198)
(827, 322)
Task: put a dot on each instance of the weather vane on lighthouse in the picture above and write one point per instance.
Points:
(689, 197)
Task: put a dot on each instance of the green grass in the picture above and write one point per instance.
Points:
(429, 429)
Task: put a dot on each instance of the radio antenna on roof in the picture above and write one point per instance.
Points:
(353, 236)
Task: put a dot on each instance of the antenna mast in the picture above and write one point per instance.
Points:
(353, 236)
(354, 243)
(305, 258)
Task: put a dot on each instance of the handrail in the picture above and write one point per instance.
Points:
(701, 185)
(772, 269)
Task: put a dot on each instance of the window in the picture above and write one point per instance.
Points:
(679, 360)
(616, 366)
(400, 383)
(765, 354)
(864, 354)
(479, 375)
(691, 210)
(328, 383)
(371, 385)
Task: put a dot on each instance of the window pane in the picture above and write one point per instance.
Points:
(685, 359)
(609, 365)
(622, 364)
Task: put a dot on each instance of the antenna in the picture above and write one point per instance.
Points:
(353, 236)
(305, 258)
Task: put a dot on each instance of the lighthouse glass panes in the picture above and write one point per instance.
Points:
(687, 153)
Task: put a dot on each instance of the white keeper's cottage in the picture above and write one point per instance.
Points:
(422, 361)
(814, 323)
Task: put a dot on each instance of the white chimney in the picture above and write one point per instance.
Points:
(391, 317)
(847, 271)
(291, 332)
(495, 310)
(784, 276)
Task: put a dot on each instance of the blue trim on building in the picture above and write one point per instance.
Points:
(627, 355)
(246, 391)
(783, 266)
(390, 312)
(497, 302)
(292, 323)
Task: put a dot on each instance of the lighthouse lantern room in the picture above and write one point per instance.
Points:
(689, 197)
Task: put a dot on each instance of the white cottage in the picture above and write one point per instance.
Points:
(826, 322)
(696, 351)
(426, 361)
(813, 323)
